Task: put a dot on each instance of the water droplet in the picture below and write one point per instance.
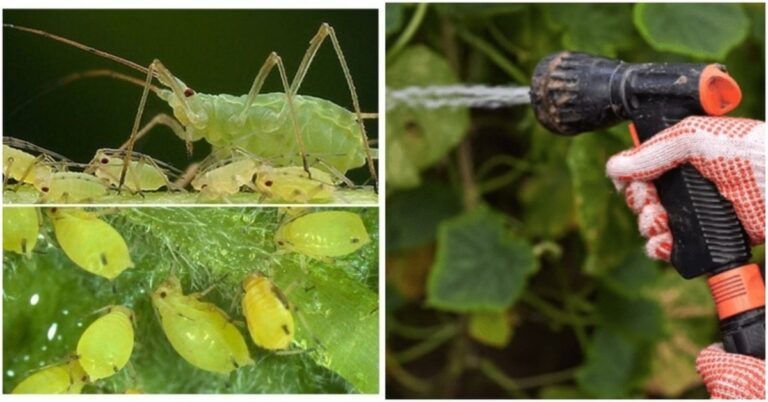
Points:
(10, 373)
(79, 324)
(34, 299)
(52, 331)
(26, 358)
(65, 312)
(44, 348)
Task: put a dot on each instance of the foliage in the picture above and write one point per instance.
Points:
(204, 246)
(514, 266)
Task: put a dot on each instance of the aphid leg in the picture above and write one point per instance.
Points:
(186, 177)
(274, 60)
(31, 167)
(336, 173)
(136, 122)
(314, 44)
(167, 121)
(6, 170)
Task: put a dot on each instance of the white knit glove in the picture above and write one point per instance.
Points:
(726, 150)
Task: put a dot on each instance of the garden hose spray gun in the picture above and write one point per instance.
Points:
(573, 93)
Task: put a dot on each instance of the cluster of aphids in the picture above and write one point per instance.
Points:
(223, 174)
(202, 333)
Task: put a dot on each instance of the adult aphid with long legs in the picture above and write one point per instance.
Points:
(272, 125)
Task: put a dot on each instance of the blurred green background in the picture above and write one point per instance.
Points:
(514, 268)
(213, 51)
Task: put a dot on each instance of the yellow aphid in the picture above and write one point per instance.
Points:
(225, 178)
(91, 243)
(24, 167)
(267, 313)
(70, 187)
(292, 184)
(323, 234)
(66, 378)
(106, 345)
(143, 174)
(199, 331)
(20, 229)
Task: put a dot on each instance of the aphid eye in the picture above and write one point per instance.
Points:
(44, 189)
(104, 160)
(162, 295)
(189, 92)
(355, 240)
(204, 186)
(84, 378)
(54, 210)
(280, 243)
(268, 183)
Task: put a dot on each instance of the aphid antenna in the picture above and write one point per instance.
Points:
(77, 76)
(21, 144)
(80, 46)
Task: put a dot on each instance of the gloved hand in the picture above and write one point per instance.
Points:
(728, 151)
(731, 376)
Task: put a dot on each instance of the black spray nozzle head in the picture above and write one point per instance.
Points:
(576, 92)
(570, 92)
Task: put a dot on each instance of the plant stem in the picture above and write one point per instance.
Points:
(409, 31)
(428, 345)
(413, 332)
(495, 56)
(405, 378)
(552, 312)
(515, 385)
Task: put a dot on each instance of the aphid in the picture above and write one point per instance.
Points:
(323, 234)
(106, 345)
(293, 184)
(66, 378)
(268, 125)
(91, 243)
(267, 312)
(20, 228)
(25, 167)
(225, 177)
(70, 187)
(144, 173)
(199, 331)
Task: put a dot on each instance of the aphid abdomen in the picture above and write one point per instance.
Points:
(267, 313)
(323, 234)
(66, 378)
(92, 244)
(106, 345)
(71, 187)
(20, 229)
(201, 333)
(329, 131)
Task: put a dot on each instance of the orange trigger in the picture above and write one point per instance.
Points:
(633, 132)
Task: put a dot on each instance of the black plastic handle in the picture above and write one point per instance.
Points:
(708, 239)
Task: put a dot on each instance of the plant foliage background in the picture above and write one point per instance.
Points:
(205, 246)
(514, 269)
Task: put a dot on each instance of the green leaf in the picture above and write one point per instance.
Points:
(492, 329)
(595, 28)
(706, 31)
(205, 246)
(547, 199)
(635, 274)
(480, 265)
(605, 222)
(614, 365)
(562, 392)
(478, 11)
(638, 319)
(417, 139)
(690, 324)
(394, 17)
(413, 215)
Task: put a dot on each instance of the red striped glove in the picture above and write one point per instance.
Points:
(731, 376)
(728, 151)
